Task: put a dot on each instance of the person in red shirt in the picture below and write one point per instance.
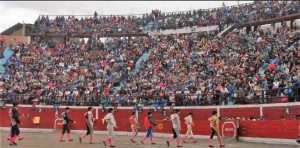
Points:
(148, 123)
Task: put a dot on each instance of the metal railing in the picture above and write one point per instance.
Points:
(158, 101)
(139, 15)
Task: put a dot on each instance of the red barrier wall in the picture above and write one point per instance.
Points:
(240, 112)
(285, 129)
(270, 128)
(275, 112)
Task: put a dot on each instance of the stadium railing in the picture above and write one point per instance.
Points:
(214, 98)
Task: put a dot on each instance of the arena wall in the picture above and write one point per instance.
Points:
(270, 128)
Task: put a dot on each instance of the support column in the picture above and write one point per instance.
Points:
(129, 37)
(255, 27)
(292, 23)
(273, 26)
(248, 29)
(23, 29)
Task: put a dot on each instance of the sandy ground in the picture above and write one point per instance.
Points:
(51, 140)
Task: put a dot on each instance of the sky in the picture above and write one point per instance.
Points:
(13, 12)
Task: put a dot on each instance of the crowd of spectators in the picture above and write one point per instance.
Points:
(192, 69)
(2, 48)
(187, 69)
(71, 72)
(96, 25)
(225, 16)
(114, 24)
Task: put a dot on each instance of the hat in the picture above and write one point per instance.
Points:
(177, 110)
(15, 104)
(110, 110)
(67, 108)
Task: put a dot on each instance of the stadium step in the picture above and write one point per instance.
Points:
(144, 57)
(7, 54)
(225, 30)
(148, 27)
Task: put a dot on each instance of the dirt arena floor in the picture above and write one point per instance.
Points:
(51, 140)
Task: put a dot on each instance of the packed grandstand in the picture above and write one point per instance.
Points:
(190, 69)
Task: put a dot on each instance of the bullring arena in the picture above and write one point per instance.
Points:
(261, 134)
(228, 75)
(49, 140)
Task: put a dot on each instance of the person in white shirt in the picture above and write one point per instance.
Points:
(172, 100)
(276, 84)
(176, 128)
(224, 90)
(87, 92)
(89, 125)
(75, 92)
(186, 92)
(111, 124)
(67, 92)
(189, 122)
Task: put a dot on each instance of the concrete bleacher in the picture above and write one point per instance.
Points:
(144, 58)
(188, 30)
(277, 21)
